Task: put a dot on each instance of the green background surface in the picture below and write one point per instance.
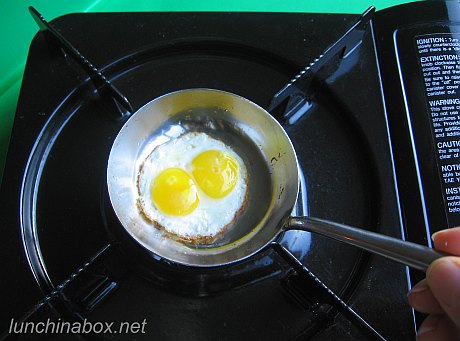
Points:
(19, 28)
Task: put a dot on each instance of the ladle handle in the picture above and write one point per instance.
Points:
(411, 254)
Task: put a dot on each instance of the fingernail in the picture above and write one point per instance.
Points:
(433, 236)
(437, 235)
(419, 287)
(428, 325)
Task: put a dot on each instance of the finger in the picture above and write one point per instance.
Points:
(437, 327)
(422, 299)
(448, 241)
(443, 278)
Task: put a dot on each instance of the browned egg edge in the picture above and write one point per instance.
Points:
(192, 240)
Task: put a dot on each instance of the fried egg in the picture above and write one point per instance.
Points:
(192, 187)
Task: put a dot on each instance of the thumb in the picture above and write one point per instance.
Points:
(443, 277)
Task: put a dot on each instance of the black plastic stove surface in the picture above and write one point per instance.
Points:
(79, 263)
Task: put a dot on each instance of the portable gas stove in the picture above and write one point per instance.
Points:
(63, 255)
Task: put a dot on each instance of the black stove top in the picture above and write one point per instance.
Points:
(61, 255)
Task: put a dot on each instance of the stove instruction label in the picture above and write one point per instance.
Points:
(439, 59)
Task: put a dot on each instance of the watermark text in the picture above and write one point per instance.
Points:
(77, 327)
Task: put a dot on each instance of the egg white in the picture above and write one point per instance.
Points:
(211, 215)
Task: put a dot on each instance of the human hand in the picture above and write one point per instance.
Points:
(439, 294)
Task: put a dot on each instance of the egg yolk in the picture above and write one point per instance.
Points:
(174, 192)
(216, 172)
